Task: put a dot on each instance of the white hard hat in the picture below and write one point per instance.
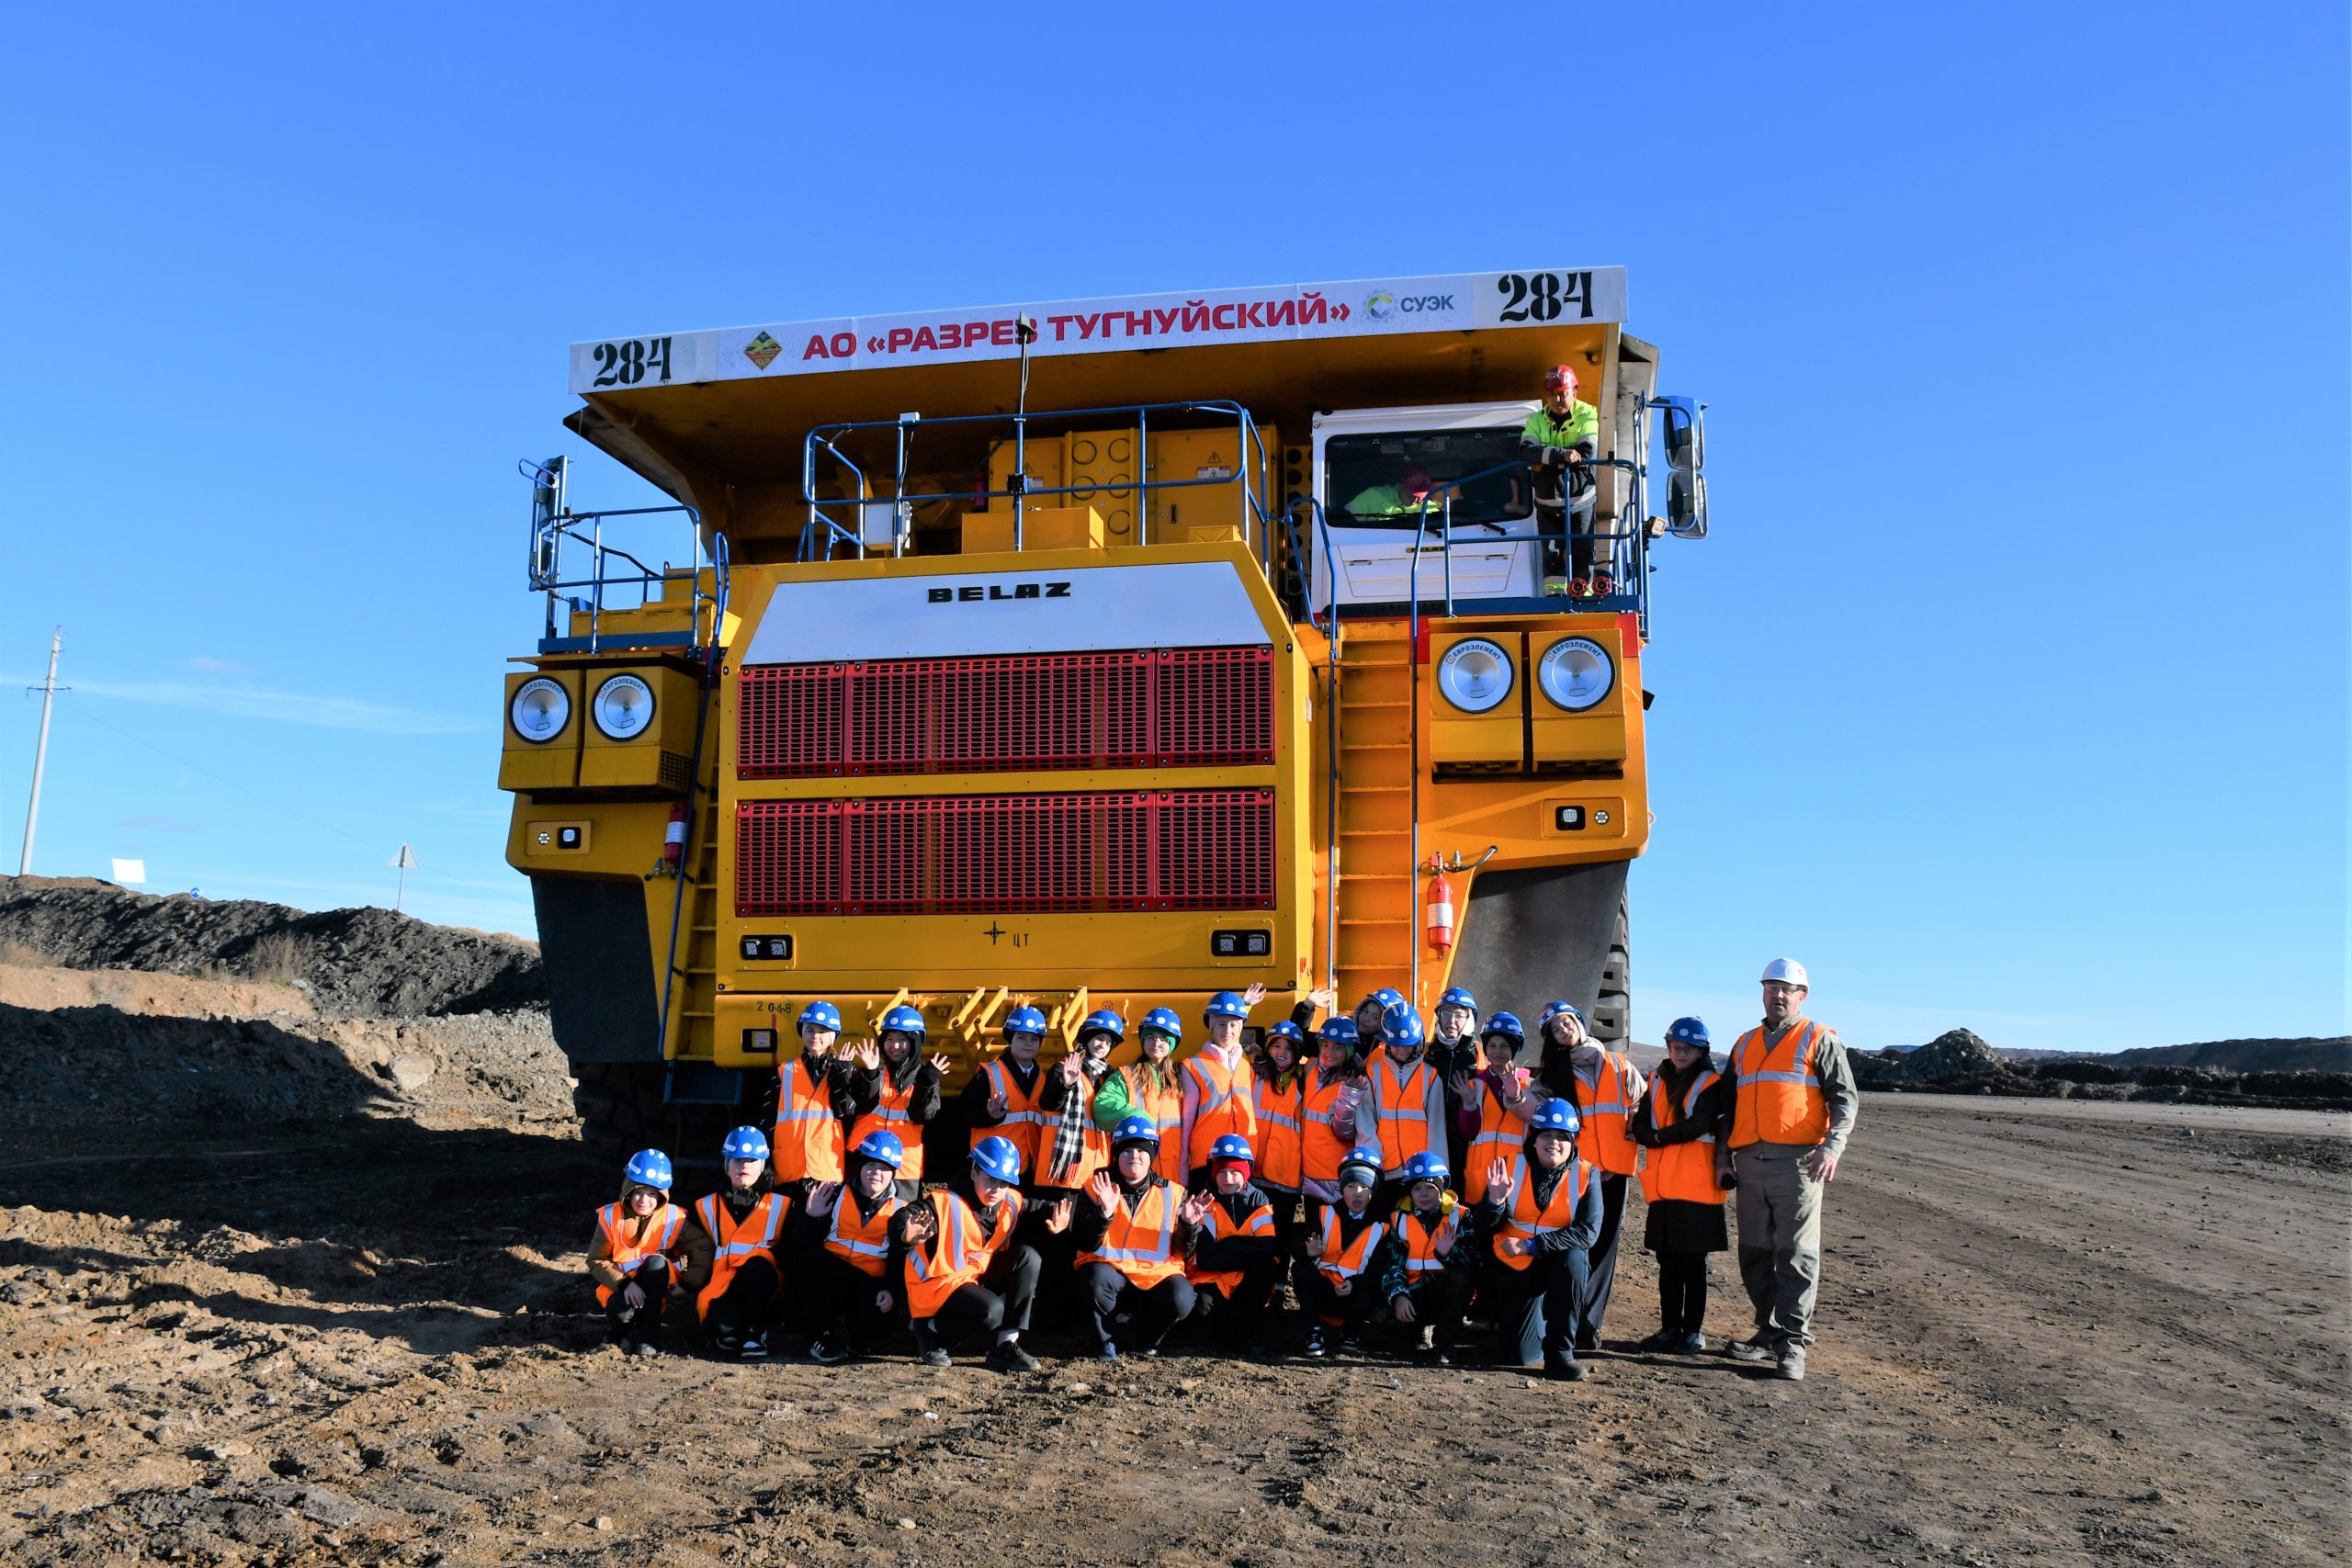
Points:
(1787, 971)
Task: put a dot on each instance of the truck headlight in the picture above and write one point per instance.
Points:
(1475, 675)
(1575, 672)
(624, 707)
(540, 709)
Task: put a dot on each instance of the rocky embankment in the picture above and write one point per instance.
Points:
(1959, 1062)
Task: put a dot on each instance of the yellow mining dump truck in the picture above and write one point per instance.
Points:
(1113, 652)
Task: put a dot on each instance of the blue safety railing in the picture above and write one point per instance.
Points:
(558, 535)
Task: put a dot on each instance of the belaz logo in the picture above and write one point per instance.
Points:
(974, 593)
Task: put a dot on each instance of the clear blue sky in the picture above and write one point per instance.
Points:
(2010, 690)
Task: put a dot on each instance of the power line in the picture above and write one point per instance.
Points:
(274, 804)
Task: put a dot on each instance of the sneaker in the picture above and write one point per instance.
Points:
(1442, 1356)
(1349, 1345)
(641, 1347)
(1689, 1345)
(1664, 1339)
(1318, 1343)
(1110, 1352)
(933, 1357)
(1565, 1369)
(728, 1343)
(754, 1348)
(1009, 1357)
(825, 1353)
(1756, 1349)
(1791, 1367)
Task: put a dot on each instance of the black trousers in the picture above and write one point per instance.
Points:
(1349, 1312)
(749, 1300)
(835, 1291)
(1237, 1319)
(1150, 1312)
(1600, 1276)
(1560, 524)
(1439, 1299)
(639, 1326)
(1535, 1307)
(1290, 1232)
(1056, 1303)
(1681, 1291)
(997, 1303)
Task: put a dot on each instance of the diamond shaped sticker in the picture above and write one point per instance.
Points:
(761, 350)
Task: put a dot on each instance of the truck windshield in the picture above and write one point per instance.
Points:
(1377, 479)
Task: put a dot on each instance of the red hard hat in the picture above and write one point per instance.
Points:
(1559, 376)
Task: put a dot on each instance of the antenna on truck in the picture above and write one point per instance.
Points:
(1024, 333)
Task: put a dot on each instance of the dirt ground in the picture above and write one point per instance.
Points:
(356, 1332)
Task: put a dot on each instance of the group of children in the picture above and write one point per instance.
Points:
(1413, 1179)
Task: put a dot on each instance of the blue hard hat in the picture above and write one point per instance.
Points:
(820, 1015)
(649, 1167)
(1400, 1026)
(1225, 1004)
(1288, 1031)
(1555, 1116)
(1426, 1166)
(1232, 1146)
(1134, 1129)
(1507, 1025)
(883, 1148)
(1387, 996)
(1553, 1010)
(1163, 1020)
(1024, 1021)
(1690, 1032)
(996, 1158)
(744, 1143)
(1105, 1021)
(1340, 1029)
(1455, 996)
(905, 1020)
(1364, 1159)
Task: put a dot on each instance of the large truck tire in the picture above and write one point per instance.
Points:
(1540, 933)
(622, 1108)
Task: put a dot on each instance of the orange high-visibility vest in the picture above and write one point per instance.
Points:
(736, 1243)
(1221, 1225)
(1421, 1258)
(1028, 1125)
(1502, 1133)
(1336, 1264)
(659, 1238)
(1404, 1109)
(1685, 1172)
(1601, 1139)
(1320, 1147)
(863, 1243)
(1776, 1098)
(1523, 1220)
(890, 1115)
(807, 1142)
(1139, 1241)
(1221, 1104)
(1277, 1144)
(960, 1252)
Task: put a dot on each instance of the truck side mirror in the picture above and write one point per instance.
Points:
(1686, 436)
(1686, 505)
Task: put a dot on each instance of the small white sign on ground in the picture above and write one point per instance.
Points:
(131, 873)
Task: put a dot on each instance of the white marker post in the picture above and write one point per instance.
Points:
(406, 862)
(40, 752)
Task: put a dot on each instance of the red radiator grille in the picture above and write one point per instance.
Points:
(1166, 708)
(1140, 850)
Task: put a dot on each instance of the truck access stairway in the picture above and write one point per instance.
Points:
(1374, 858)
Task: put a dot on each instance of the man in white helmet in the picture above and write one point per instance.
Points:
(1793, 1105)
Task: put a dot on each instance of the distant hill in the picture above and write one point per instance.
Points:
(2308, 1054)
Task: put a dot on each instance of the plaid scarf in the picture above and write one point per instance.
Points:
(1078, 1115)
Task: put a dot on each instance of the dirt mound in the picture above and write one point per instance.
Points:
(366, 962)
(2307, 1055)
(135, 991)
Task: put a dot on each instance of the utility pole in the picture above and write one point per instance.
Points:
(405, 862)
(40, 752)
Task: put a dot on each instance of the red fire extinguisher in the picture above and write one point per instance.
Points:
(674, 839)
(1437, 908)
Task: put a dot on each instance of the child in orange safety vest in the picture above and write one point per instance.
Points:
(1132, 1238)
(1345, 1242)
(1606, 1087)
(891, 1088)
(960, 1268)
(1542, 1210)
(1425, 1275)
(735, 1250)
(636, 1254)
(803, 1105)
(1683, 1121)
(846, 1296)
(1278, 1085)
(1236, 1257)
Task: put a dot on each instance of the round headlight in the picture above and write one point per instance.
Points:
(1575, 673)
(1475, 675)
(623, 708)
(540, 709)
